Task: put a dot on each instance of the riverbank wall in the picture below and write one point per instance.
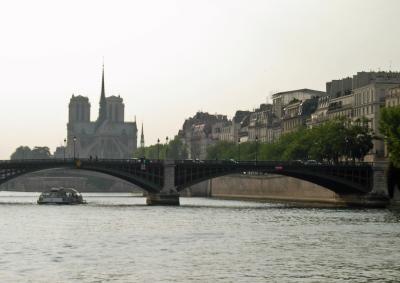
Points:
(271, 187)
(275, 188)
(262, 187)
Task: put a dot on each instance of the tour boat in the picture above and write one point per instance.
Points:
(61, 196)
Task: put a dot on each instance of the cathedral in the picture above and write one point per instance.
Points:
(107, 137)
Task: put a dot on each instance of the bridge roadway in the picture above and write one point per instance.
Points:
(163, 179)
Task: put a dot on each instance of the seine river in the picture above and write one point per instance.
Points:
(117, 238)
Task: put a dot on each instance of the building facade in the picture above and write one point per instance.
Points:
(393, 97)
(329, 108)
(338, 88)
(201, 131)
(357, 97)
(369, 97)
(107, 137)
(260, 123)
(282, 99)
(297, 113)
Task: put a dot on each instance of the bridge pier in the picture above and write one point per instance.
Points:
(163, 199)
(379, 195)
(168, 195)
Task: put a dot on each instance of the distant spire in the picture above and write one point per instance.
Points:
(103, 106)
(142, 138)
(103, 93)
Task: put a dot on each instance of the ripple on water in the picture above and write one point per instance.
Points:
(120, 239)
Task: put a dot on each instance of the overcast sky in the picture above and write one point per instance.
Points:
(169, 59)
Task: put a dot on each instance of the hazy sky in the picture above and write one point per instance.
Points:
(169, 59)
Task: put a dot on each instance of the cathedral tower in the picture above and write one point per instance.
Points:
(79, 109)
(115, 109)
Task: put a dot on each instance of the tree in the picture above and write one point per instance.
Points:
(340, 138)
(40, 152)
(222, 150)
(358, 139)
(176, 149)
(333, 141)
(390, 128)
(22, 152)
(300, 145)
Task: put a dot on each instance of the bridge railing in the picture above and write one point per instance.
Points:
(49, 160)
(130, 160)
(70, 160)
(191, 161)
(271, 163)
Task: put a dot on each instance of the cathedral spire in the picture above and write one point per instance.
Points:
(103, 93)
(103, 106)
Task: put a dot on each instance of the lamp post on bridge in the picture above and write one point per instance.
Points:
(256, 148)
(360, 141)
(166, 148)
(158, 149)
(238, 149)
(74, 139)
(65, 145)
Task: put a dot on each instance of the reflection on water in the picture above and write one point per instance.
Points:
(116, 237)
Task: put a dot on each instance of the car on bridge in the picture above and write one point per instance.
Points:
(312, 162)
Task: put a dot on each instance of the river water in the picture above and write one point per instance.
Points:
(117, 238)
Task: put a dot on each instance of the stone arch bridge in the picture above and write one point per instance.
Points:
(163, 180)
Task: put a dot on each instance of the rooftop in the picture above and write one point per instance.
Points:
(317, 92)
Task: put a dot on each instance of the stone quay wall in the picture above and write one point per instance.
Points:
(262, 187)
(271, 187)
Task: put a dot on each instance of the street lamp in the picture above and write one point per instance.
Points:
(256, 147)
(74, 139)
(360, 143)
(158, 149)
(65, 145)
(166, 149)
(238, 149)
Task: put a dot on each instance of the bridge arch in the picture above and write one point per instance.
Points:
(341, 180)
(149, 181)
(56, 178)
